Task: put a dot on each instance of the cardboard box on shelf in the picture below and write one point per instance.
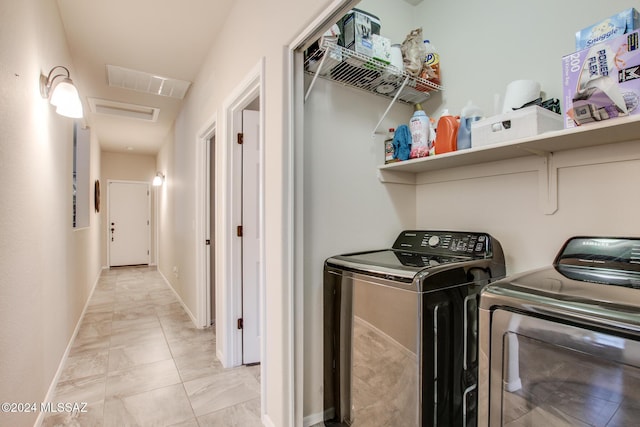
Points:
(611, 27)
(356, 28)
(603, 81)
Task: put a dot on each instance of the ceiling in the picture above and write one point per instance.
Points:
(164, 38)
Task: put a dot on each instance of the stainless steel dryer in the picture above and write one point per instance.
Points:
(560, 345)
(400, 330)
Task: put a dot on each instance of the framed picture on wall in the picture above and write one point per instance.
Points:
(96, 195)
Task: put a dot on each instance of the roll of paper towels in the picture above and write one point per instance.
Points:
(519, 92)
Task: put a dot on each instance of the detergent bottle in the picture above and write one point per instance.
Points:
(447, 133)
(420, 133)
(470, 113)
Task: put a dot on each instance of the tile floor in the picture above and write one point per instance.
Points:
(138, 360)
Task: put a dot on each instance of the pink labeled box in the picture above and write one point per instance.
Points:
(603, 81)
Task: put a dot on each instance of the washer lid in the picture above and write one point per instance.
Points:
(547, 292)
(393, 263)
(612, 261)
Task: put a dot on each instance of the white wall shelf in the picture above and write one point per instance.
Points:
(606, 132)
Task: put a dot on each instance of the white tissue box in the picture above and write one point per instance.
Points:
(522, 123)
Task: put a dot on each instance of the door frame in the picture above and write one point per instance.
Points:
(228, 270)
(203, 231)
(119, 181)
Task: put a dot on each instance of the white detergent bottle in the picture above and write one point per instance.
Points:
(420, 133)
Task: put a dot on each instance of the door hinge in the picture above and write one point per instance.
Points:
(207, 242)
(240, 323)
(240, 138)
(239, 231)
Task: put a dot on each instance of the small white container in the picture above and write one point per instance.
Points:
(529, 121)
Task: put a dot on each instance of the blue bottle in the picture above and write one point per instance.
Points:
(470, 113)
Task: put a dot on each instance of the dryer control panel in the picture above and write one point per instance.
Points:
(453, 243)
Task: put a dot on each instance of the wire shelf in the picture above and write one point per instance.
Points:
(350, 68)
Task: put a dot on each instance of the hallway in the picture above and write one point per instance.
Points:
(138, 360)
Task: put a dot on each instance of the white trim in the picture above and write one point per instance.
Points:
(228, 162)
(203, 264)
(313, 419)
(267, 421)
(123, 181)
(54, 382)
(228, 298)
(179, 298)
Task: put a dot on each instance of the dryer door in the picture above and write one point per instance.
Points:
(545, 372)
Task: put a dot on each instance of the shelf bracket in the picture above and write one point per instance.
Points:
(315, 76)
(395, 98)
(540, 153)
(548, 185)
(396, 177)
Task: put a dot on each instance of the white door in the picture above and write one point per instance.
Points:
(129, 228)
(251, 238)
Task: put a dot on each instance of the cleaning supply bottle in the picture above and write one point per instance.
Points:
(388, 147)
(432, 136)
(470, 113)
(431, 67)
(419, 126)
(447, 133)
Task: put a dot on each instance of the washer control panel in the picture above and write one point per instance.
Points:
(444, 242)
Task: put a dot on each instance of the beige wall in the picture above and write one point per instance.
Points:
(486, 45)
(127, 167)
(518, 41)
(47, 269)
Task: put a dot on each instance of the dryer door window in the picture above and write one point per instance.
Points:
(555, 374)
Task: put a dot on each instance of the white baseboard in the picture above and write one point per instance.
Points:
(220, 357)
(266, 421)
(313, 419)
(54, 383)
(184, 306)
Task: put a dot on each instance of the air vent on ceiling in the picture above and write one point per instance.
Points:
(132, 111)
(145, 82)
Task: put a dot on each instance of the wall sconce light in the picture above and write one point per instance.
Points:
(63, 95)
(158, 179)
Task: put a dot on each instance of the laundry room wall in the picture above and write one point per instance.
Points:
(346, 208)
(491, 44)
(485, 45)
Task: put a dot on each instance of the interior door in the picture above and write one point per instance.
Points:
(251, 237)
(129, 229)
